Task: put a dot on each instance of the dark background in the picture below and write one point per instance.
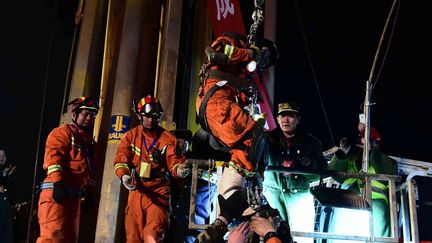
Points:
(337, 38)
(342, 38)
(35, 42)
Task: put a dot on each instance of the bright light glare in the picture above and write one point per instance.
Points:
(350, 222)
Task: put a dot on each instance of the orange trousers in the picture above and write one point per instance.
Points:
(229, 123)
(59, 223)
(146, 218)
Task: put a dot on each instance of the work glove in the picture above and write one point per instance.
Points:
(59, 192)
(233, 206)
(260, 119)
(127, 182)
(345, 145)
(183, 170)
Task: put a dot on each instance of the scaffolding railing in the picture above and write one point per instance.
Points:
(367, 177)
(408, 210)
(196, 165)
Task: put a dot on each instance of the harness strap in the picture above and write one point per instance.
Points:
(202, 109)
(221, 75)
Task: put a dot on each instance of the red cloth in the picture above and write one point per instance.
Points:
(226, 17)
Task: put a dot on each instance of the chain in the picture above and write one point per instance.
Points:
(258, 19)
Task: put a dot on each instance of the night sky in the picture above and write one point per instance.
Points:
(341, 36)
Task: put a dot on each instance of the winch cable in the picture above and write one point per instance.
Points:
(374, 82)
(78, 17)
(47, 69)
(313, 71)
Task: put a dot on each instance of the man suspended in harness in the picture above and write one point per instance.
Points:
(69, 163)
(227, 111)
(224, 93)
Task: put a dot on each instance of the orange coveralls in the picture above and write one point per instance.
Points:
(148, 208)
(224, 112)
(65, 159)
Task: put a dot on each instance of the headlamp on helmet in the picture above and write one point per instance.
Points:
(148, 105)
(84, 102)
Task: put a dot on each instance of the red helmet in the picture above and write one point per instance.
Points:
(84, 102)
(374, 135)
(148, 105)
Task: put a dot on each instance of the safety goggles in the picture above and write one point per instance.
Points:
(151, 109)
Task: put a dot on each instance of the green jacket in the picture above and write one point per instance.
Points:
(379, 163)
(305, 152)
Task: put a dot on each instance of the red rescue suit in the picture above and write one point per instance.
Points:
(148, 209)
(224, 111)
(68, 152)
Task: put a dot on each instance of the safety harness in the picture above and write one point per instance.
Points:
(202, 109)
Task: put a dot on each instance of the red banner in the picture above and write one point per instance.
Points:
(226, 16)
(265, 105)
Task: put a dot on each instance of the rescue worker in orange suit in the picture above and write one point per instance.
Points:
(220, 105)
(226, 106)
(227, 111)
(144, 156)
(69, 163)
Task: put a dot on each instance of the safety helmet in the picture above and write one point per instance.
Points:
(374, 135)
(148, 105)
(84, 102)
(237, 39)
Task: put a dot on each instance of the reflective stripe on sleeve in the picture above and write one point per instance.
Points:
(136, 150)
(228, 51)
(53, 168)
(121, 165)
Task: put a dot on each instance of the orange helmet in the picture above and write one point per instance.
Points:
(84, 102)
(148, 105)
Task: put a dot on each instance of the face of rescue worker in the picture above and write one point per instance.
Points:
(2, 158)
(288, 121)
(85, 119)
(149, 122)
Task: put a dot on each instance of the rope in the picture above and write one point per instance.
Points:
(67, 84)
(389, 42)
(41, 122)
(78, 18)
(313, 72)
